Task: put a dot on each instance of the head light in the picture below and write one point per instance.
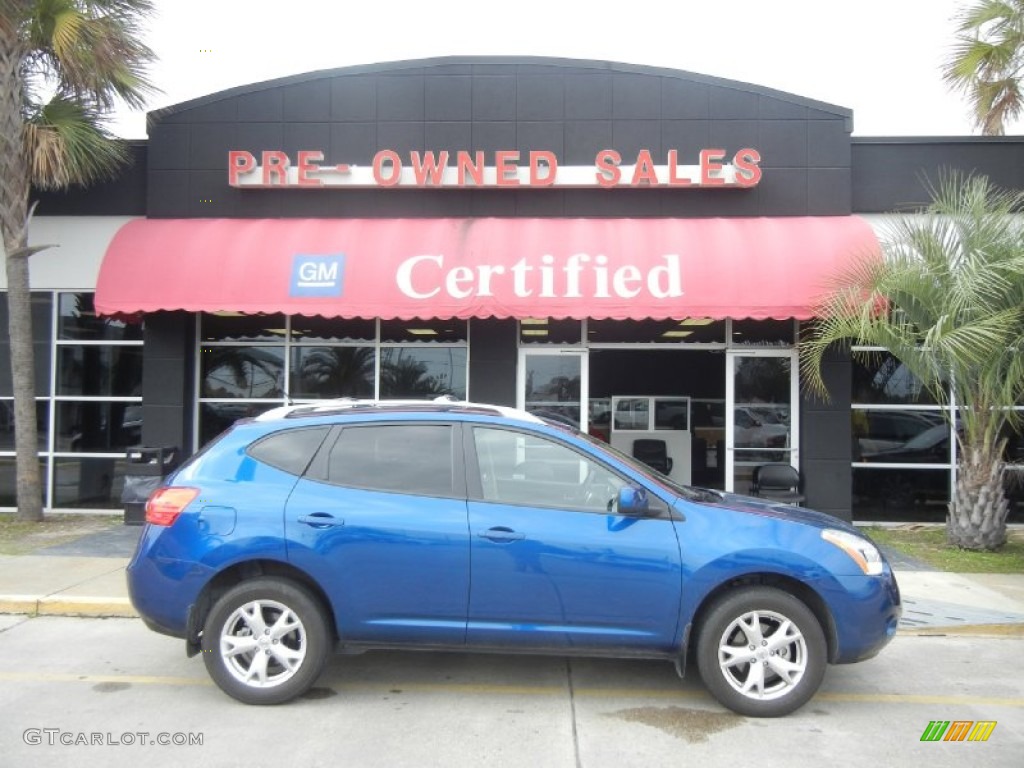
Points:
(863, 552)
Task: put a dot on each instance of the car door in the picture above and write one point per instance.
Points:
(379, 521)
(551, 566)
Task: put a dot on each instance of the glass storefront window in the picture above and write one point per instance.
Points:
(323, 329)
(900, 494)
(97, 427)
(7, 424)
(8, 486)
(42, 335)
(77, 321)
(97, 370)
(689, 331)
(899, 436)
(417, 372)
(88, 483)
(424, 331)
(763, 333)
(235, 326)
(545, 330)
(214, 418)
(881, 379)
(327, 372)
(243, 372)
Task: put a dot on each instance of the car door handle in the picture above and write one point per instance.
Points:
(500, 534)
(320, 520)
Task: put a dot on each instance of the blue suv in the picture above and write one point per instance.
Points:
(452, 525)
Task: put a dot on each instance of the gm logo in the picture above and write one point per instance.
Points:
(318, 275)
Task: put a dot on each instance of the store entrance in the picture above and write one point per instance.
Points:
(666, 407)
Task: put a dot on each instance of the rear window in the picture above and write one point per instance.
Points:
(290, 450)
(406, 458)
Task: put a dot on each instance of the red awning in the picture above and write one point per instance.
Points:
(403, 268)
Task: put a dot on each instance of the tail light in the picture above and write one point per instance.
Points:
(166, 504)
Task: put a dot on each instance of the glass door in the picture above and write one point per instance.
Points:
(761, 417)
(553, 383)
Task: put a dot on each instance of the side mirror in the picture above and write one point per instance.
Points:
(631, 501)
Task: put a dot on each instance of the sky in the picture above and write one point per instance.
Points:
(880, 58)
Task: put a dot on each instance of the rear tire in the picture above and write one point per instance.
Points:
(265, 641)
(761, 652)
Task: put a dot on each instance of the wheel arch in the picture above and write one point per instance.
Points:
(798, 589)
(242, 572)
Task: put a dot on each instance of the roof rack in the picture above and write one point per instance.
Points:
(444, 403)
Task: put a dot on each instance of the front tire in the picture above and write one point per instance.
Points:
(761, 652)
(265, 641)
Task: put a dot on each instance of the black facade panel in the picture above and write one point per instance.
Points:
(449, 98)
(209, 144)
(547, 135)
(540, 97)
(782, 144)
(354, 98)
(124, 195)
(168, 355)
(585, 138)
(541, 202)
(262, 106)
(167, 194)
(307, 203)
(308, 102)
(779, 109)
(828, 144)
(354, 143)
(826, 436)
(630, 136)
(494, 97)
(169, 147)
(257, 137)
(894, 174)
(684, 100)
(209, 195)
(733, 104)
(687, 137)
(493, 202)
(636, 97)
(450, 137)
(403, 138)
(784, 192)
(492, 361)
(224, 110)
(401, 97)
(493, 137)
(732, 135)
(307, 136)
(588, 97)
(828, 192)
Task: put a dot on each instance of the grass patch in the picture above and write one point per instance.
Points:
(928, 544)
(18, 538)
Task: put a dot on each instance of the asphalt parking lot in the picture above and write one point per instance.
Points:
(83, 690)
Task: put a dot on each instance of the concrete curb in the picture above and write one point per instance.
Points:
(57, 605)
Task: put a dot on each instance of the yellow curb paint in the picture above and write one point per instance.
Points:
(973, 630)
(86, 606)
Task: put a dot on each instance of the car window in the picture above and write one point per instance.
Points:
(517, 468)
(407, 458)
(290, 450)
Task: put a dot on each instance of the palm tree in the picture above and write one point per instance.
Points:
(987, 61)
(948, 302)
(63, 65)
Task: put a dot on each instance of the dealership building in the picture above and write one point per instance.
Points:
(627, 249)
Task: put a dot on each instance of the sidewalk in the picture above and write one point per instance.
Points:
(85, 577)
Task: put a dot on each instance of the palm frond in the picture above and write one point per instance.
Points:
(67, 144)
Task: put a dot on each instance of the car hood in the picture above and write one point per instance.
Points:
(754, 506)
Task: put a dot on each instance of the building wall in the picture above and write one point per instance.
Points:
(572, 108)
